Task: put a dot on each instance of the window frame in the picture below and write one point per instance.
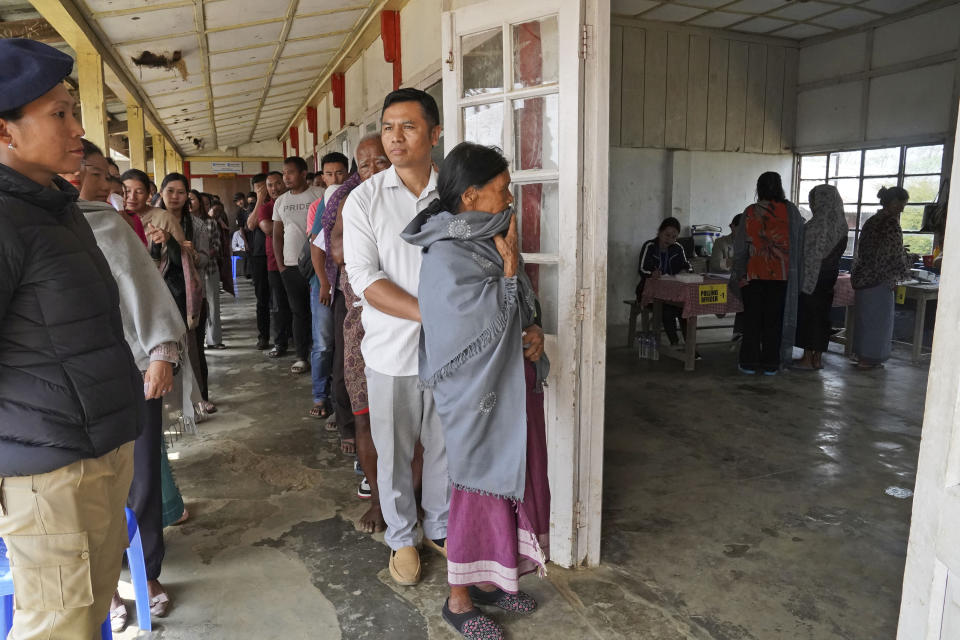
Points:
(860, 205)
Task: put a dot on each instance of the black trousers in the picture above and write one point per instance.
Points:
(283, 318)
(813, 314)
(261, 289)
(762, 324)
(298, 296)
(341, 400)
(146, 497)
(670, 315)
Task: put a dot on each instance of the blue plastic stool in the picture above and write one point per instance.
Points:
(6, 599)
(138, 572)
(236, 285)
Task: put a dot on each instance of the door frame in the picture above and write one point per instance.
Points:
(577, 495)
(595, 174)
(928, 582)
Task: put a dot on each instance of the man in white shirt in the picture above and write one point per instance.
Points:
(289, 243)
(385, 272)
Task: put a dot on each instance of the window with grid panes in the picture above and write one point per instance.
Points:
(859, 175)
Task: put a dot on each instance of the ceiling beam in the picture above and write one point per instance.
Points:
(291, 12)
(367, 32)
(34, 29)
(200, 22)
(76, 31)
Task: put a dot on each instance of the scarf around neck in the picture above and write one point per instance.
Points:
(471, 351)
(821, 233)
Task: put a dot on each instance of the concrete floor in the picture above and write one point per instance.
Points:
(735, 509)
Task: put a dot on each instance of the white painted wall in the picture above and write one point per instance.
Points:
(377, 77)
(420, 41)
(354, 94)
(268, 148)
(696, 187)
(897, 82)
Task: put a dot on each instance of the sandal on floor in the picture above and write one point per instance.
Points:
(519, 602)
(118, 618)
(160, 605)
(320, 411)
(300, 366)
(472, 625)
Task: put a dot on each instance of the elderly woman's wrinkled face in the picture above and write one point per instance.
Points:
(493, 197)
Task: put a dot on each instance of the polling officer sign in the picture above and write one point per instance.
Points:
(713, 294)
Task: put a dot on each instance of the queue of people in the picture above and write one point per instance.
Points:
(401, 288)
(784, 271)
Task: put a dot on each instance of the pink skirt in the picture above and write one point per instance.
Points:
(497, 540)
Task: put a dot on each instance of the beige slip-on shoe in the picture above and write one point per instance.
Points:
(405, 566)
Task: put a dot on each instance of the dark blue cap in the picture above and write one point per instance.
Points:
(29, 69)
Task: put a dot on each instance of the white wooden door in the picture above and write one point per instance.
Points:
(930, 608)
(513, 77)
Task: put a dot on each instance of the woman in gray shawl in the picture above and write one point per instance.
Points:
(155, 332)
(767, 267)
(824, 241)
(481, 351)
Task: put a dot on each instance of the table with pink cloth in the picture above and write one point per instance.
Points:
(686, 295)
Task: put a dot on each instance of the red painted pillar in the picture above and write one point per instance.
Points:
(338, 88)
(265, 167)
(312, 128)
(295, 140)
(186, 168)
(390, 34)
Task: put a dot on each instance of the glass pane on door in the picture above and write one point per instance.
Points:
(536, 132)
(546, 280)
(482, 62)
(483, 124)
(535, 54)
(538, 214)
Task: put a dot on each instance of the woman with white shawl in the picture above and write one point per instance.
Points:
(824, 241)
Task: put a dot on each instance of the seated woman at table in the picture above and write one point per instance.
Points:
(768, 254)
(880, 263)
(824, 241)
(721, 256)
(663, 256)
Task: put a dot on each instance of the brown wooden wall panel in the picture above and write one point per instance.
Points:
(773, 105)
(698, 92)
(678, 65)
(756, 97)
(632, 87)
(788, 123)
(736, 96)
(655, 89)
(717, 94)
(616, 77)
(677, 89)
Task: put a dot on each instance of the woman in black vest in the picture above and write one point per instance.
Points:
(71, 394)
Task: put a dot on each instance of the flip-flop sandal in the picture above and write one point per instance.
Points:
(472, 625)
(299, 367)
(519, 602)
(320, 411)
(160, 605)
(118, 618)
